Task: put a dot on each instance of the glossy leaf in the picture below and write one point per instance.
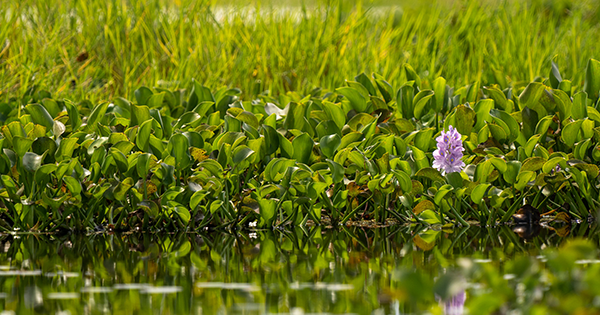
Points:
(329, 145)
(592, 79)
(303, 146)
(40, 115)
(180, 150)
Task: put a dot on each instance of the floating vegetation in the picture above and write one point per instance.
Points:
(196, 159)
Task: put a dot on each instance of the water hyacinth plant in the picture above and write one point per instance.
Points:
(194, 159)
(449, 152)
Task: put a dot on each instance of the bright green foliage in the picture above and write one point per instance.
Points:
(364, 150)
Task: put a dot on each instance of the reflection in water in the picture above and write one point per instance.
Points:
(353, 270)
(456, 304)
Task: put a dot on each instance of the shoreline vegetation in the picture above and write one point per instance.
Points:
(198, 159)
(103, 127)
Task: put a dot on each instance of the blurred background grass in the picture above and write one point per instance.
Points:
(100, 49)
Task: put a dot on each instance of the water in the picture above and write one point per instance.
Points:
(302, 271)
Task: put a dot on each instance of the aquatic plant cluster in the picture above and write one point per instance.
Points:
(363, 152)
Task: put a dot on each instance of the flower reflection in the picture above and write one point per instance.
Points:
(455, 305)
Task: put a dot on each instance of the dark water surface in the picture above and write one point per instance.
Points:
(303, 271)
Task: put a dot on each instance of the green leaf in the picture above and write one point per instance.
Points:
(455, 179)
(530, 121)
(139, 114)
(248, 118)
(523, 179)
(431, 173)
(404, 98)
(563, 104)
(97, 115)
(555, 77)
(187, 120)
(337, 171)
(551, 164)
(52, 106)
(360, 121)
(384, 88)
(441, 193)
(241, 153)
(40, 115)
(499, 164)
(429, 217)
(570, 133)
(508, 121)
(73, 185)
(581, 149)
(271, 139)
(179, 149)
(156, 100)
(213, 167)
(149, 207)
(465, 118)
(143, 137)
(32, 161)
(181, 211)
(42, 174)
(357, 100)
(530, 97)
(579, 109)
(351, 137)
(499, 133)
(329, 144)
(592, 79)
(420, 102)
(303, 145)
(366, 82)
(21, 145)
(482, 112)
(439, 89)
(267, 209)
(335, 113)
(120, 160)
(74, 118)
(498, 96)
(120, 191)
(531, 143)
(479, 192)
(542, 126)
(533, 164)
(287, 149)
(424, 138)
(58, 129)
(143, 164)
(142, 95)
(295, 118)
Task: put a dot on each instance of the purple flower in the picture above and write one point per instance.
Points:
(555, 169)
(447, 157)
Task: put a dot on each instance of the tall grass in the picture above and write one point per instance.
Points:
(100, 49)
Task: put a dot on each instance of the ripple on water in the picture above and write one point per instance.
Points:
(130, 286)
(161, 290)
(228, 286)
(62, 296)
(9, 273)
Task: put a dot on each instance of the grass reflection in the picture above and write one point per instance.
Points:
(353, 270)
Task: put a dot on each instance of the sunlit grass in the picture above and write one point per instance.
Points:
(101, 49)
